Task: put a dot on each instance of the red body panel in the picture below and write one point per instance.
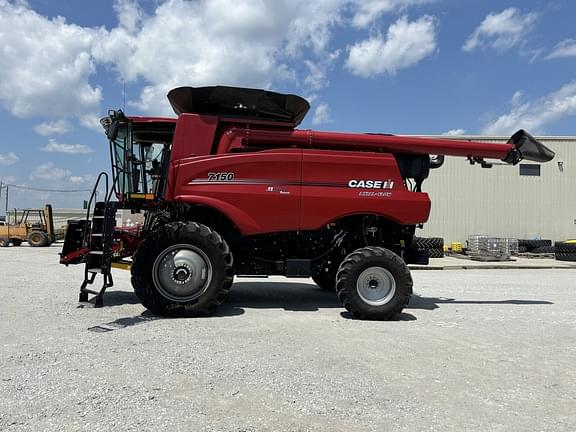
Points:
(194, 135)
(269, 178)
(295, 189)
(326, 194)
(264, 195)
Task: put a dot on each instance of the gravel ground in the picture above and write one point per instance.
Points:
(476, 350)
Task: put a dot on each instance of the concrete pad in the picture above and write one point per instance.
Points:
(454, 263)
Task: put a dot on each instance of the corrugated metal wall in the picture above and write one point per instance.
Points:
(498, 201)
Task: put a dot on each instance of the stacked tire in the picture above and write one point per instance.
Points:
(565, 251)
(535, 246)
(432, 246)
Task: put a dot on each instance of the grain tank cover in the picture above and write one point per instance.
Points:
(239, 102)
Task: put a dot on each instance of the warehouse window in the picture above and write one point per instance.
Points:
(530, 170)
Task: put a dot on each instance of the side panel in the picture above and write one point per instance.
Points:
(337, 183)
(259, 191)
(193, 136)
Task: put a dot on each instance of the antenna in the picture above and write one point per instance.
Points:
(124, 94)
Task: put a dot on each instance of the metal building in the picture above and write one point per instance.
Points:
(529, 200)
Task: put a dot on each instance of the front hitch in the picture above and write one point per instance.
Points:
(527, 147)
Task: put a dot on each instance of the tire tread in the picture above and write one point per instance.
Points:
(343, 283)
(148, 294)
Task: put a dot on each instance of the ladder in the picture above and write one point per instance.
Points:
(98, 238)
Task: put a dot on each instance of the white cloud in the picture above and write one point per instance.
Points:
(321, 114)
(91, 121)
(58, 127)
(9, 179)
(82, 179)
(535, 114)
(453, 132)
(406, 44)
(129, 14)
(317, 77)
(232, 42)
(47, 171)
(370, 10)
(8, 158)
(566, 48)
(55, 147)
(501, 31)
(45, 64)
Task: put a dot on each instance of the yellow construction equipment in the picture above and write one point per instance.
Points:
(36, 226)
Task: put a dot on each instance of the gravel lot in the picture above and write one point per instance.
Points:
(484, 350)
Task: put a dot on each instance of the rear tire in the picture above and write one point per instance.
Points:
(374, 283)
(544, 250)
(325, 280)
(435, 253)
(530, 245)
(324, 275)
(565, 256)
(38, 239)
(4, 242)
(565, 251)
(182, 270)
(428, 242)
(563, 247)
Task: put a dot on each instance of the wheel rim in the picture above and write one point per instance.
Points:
(182, 272)
(35, 238)
(376, 286)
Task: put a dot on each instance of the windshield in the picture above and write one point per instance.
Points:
(140, 157)
(120, 147)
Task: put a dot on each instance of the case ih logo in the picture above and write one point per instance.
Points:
(371, 184)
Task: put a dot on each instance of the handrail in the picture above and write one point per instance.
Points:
(92, 196)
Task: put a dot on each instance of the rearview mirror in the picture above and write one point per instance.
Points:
(112, 131)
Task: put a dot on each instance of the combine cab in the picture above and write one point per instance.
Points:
(231, 188)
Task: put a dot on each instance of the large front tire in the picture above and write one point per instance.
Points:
(38, 239)
(374, 283)
(182, 270)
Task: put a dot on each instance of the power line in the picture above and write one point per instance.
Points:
(47, 190)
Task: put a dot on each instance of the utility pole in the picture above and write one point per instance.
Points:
(7, 221)
(6, 203)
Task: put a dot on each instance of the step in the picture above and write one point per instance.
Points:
(94, 270)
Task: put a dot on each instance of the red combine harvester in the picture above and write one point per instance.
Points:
(231, 187)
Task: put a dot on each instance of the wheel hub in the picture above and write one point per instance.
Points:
(182, 272)
(376, 286)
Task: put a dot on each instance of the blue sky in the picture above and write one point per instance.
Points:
(394, 66)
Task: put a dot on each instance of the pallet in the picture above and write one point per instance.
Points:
(536, 255)
(491, 258)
